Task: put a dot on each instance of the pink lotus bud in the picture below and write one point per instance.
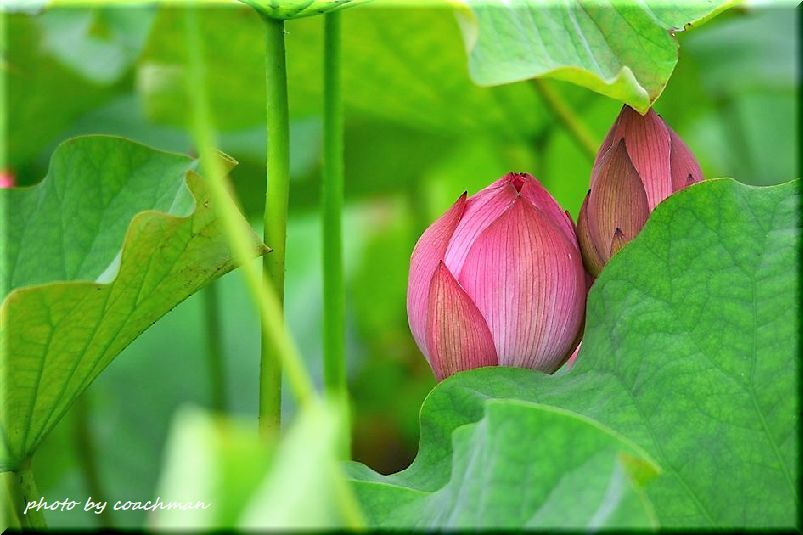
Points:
(640, 163)
(7, 180)
(498, 280)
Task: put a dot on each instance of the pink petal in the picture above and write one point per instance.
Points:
(426, 256)
(685, 169)
(617, 201)
(572, 359)
(482, 209)
(533, 191)
(457, 335)
(529, 284)
(648, 145)
(591, 258)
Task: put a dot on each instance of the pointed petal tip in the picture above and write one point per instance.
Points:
(457, 336)
(685, 169)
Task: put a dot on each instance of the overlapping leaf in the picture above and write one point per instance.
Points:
(690, 351)
(114, 237)
(522, 465)
(625, 50)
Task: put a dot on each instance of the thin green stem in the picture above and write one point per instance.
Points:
(576, 128)
(214, 348)
(26, 491)
(262, 289)
(334, 290)
(85, 451)
(275, 221)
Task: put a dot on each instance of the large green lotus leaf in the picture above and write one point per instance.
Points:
(392, 70)
(521, 465)
(690, 351)
(115, 236)
(625, 50)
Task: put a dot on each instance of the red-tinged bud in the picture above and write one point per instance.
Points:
(640, 163)
(498, 280)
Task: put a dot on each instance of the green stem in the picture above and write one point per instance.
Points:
(24, 491)
(85, 450)
(262, 289)
(334, 290)
(275, 221)
(563, 112)
(214, 348)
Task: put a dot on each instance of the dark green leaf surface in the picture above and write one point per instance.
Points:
(114, 237)
(690, 351)
(624, 50)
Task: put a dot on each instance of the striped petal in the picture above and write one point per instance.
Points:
(482, 209)
(529, 284)
(539, 197)
(648, 145)
(685, 169)
(428, 253)
(617, 201)
(457, 335)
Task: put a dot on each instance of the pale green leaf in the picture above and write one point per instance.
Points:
(624, 50)
(250, 480)
(113, 238)
(521, 465)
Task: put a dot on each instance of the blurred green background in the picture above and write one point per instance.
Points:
(418, 133)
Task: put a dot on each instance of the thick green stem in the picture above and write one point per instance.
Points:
(85, 451)
(214, 348)
(334, 290)
(22, 490)
(262, 289)
(563, 112)
(275, 221)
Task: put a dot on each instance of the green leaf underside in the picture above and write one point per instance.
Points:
(113, 238)
(624, 50)
(293, 9)
(690, 351)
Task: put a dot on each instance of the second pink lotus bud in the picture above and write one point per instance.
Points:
(498, 280)
(641, 162)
